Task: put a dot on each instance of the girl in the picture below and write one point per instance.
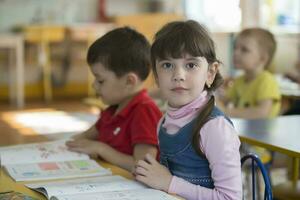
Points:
(199, 148)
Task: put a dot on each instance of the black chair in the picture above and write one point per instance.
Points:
(257, 165)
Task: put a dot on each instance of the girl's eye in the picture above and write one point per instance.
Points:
(167, 65)
(191, 65)
(100, 82)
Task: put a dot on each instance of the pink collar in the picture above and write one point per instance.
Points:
(176, 113)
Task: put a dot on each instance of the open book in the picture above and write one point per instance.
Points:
(39, 152)
(106, 187)
(56, 170)
(47, 160)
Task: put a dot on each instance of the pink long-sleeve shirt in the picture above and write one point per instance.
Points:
(220, 144)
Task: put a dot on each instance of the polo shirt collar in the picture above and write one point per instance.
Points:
(135, 100)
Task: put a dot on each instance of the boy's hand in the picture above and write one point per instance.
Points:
(90, 147)
(152, 173)
(78, 136)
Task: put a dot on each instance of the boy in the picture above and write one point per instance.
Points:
(255, 94)
(126, 130)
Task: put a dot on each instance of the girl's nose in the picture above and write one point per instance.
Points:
(178, 74)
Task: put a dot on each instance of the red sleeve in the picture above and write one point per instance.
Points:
(144, 124)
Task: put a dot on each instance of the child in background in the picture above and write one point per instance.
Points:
(255, 94)
(199, 147)
(126, 130)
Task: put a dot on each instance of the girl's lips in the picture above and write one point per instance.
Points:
(177, 89)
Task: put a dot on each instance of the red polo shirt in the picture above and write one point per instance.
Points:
(135, 124)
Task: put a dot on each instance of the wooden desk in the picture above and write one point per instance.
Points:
(16, 79)
(281, 134)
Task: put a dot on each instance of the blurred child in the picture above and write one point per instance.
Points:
(126, 130)
(199, 148)
(255, 94)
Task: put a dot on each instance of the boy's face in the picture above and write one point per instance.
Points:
(110, 88)
(247, 54)
(182, 80)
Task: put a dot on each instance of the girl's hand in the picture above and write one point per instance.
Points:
(152, 173)
(90, 147)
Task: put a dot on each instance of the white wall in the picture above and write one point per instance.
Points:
(16, 12)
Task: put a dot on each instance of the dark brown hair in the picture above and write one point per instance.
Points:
(178, 38)
(121, 51)
(265, 40)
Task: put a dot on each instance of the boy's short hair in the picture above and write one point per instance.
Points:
(265, 39)
(121, 51)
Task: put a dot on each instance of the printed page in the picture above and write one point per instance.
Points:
(85, 185)
(140, 194)
(38, 152)
(56, 170)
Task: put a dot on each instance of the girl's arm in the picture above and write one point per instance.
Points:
(262, 110)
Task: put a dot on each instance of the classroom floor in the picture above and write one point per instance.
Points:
(16, 134)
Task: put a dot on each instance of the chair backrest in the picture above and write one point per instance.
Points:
(256, 164)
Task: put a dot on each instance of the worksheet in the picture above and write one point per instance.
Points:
(56, 170)
(38, 153)
(139, 194)
(85, 186)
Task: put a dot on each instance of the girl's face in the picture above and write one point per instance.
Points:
(182, 80)
(247, 54)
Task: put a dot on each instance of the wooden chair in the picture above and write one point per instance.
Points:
(43, 36)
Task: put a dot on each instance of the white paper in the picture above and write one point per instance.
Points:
(38, 152)
(140, 194)
(85, 186)
(56, 170)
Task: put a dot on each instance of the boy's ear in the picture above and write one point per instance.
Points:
(264, 58)
(212, 71)
(131, 79)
